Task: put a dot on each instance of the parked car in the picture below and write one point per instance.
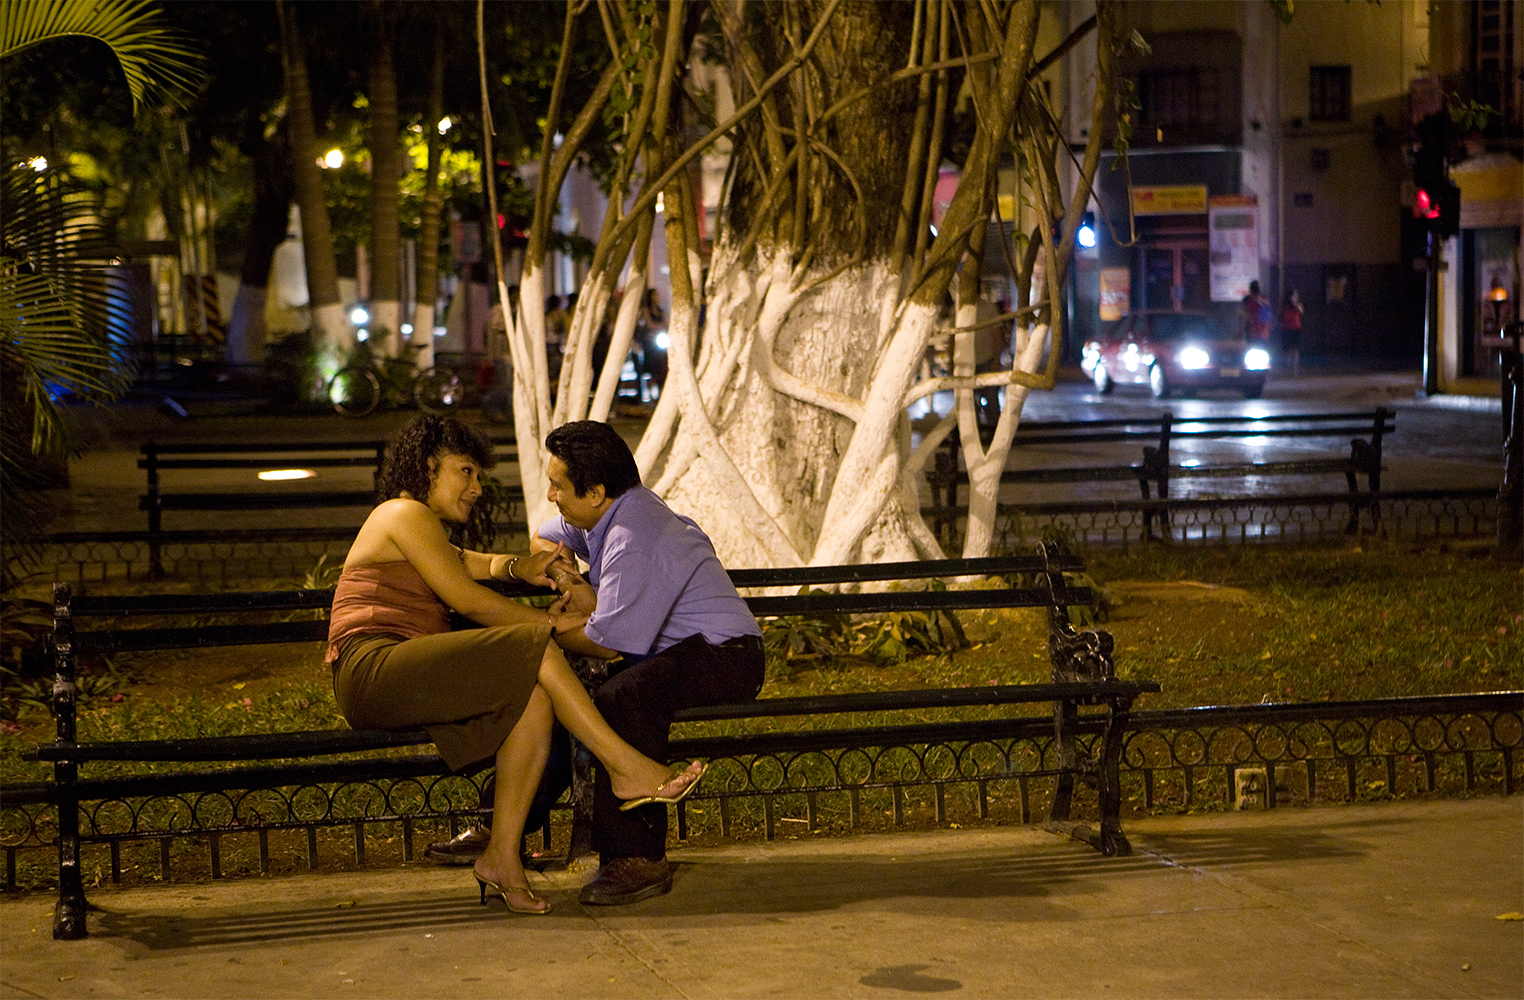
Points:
(1175, 352)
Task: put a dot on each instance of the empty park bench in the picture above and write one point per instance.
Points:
(189, 464)
(1364, 431)
(1082, 675)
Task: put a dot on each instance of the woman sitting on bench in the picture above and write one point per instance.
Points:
(487, 692)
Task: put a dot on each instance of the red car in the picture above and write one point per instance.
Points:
(1175, 352)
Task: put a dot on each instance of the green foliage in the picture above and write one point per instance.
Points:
(323, 574)
(828, 641)
(1469, 115)
(347, 188)
(155, 58)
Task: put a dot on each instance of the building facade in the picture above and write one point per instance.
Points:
(1280, 152)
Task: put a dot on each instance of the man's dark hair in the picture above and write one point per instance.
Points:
(406, 465)
(594, 453)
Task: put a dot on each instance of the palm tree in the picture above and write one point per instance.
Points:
(58, 335)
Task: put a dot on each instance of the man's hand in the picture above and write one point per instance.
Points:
(577, 596)
(532, 569)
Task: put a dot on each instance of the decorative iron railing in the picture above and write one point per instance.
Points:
(1291, 519)
(1306, 752)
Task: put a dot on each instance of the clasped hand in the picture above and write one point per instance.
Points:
(555, 568)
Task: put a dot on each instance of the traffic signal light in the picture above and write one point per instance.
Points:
(1429, 154)
(1436, 201)
(1439, 206)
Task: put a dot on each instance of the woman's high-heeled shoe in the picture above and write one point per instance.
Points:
(486, 883)
(665, 800)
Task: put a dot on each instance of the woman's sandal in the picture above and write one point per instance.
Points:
(666, 800)
(485, 884)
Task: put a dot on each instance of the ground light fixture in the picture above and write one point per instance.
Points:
(282, 475)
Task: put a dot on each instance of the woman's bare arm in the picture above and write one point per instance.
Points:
(417, 536)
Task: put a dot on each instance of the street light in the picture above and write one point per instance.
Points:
(334, 159)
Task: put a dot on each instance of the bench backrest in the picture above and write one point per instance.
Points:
(1374, 423)
(88, 624)
(202, 456)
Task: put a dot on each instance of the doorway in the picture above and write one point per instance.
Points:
(1176, 276)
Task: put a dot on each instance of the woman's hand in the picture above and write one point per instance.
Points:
(563, 573)
(532, 569)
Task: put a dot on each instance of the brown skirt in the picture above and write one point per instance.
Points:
(466, 688)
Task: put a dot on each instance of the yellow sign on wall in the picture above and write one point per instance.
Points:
(1179, 199)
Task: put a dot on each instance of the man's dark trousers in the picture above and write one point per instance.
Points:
(638, 701)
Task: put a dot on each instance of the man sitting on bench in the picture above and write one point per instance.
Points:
(663, 611)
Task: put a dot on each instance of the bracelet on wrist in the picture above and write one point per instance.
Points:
(511, 561)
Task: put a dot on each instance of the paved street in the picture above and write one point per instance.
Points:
(1397, 899)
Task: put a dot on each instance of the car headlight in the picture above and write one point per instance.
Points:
(1192, 358)
(1257, 359)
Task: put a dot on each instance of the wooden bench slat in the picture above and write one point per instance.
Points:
(199, 637)
(311, 461)
(256, 746)
(911, 600)
(812, 740)
(921, 698)
(140, 604)
(241, 447)
(923, 569)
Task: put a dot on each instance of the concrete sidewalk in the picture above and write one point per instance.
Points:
(1378, 900)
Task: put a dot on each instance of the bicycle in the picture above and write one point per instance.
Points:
(367, 382)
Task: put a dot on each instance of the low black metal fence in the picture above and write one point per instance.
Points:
(989, 768)
(1291, 519)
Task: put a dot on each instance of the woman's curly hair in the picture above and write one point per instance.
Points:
(405, 468)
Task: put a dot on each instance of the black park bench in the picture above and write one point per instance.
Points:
(175, 476)
(1082, 677)
(1362, 430)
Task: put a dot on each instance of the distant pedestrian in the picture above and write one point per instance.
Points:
(1291, 330)
(1255, 316)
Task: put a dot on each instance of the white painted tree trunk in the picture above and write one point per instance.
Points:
(246, 326)
(773, 452)
(422, 337)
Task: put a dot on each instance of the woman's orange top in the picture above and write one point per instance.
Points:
(387, 598)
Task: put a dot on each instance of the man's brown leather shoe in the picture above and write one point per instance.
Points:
(463, 850)
(628, 880)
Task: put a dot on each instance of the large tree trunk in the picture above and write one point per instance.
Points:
(330, 330)
(273, 191)
(422, 339)
(385, 175)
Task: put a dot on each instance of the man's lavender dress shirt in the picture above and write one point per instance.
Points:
(657, 577)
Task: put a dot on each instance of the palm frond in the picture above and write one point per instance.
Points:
(61, 326)
(155, 57)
